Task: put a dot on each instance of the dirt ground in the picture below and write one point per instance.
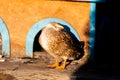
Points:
(36, 69)
(33, 68)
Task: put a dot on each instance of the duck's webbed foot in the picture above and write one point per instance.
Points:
(55, 64)
(62, 66)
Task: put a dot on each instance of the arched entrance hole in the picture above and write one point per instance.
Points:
(33, 34)
(5, 40)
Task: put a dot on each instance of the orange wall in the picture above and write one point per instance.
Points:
(21, 15)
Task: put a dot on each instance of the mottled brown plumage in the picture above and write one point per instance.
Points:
(55, 40)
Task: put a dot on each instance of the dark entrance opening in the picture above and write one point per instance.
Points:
(36, 45)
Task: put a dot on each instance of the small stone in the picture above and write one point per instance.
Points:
(2, 59)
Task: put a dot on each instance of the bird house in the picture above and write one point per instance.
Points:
(22, 20)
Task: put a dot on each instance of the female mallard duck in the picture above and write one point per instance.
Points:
(55, 40)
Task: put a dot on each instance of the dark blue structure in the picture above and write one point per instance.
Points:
(106, 61)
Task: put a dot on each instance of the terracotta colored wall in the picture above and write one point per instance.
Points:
(21, 15)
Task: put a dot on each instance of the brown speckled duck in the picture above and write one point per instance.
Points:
(55, 40)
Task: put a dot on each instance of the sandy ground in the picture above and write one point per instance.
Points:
(36, 69)
(33, 68)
